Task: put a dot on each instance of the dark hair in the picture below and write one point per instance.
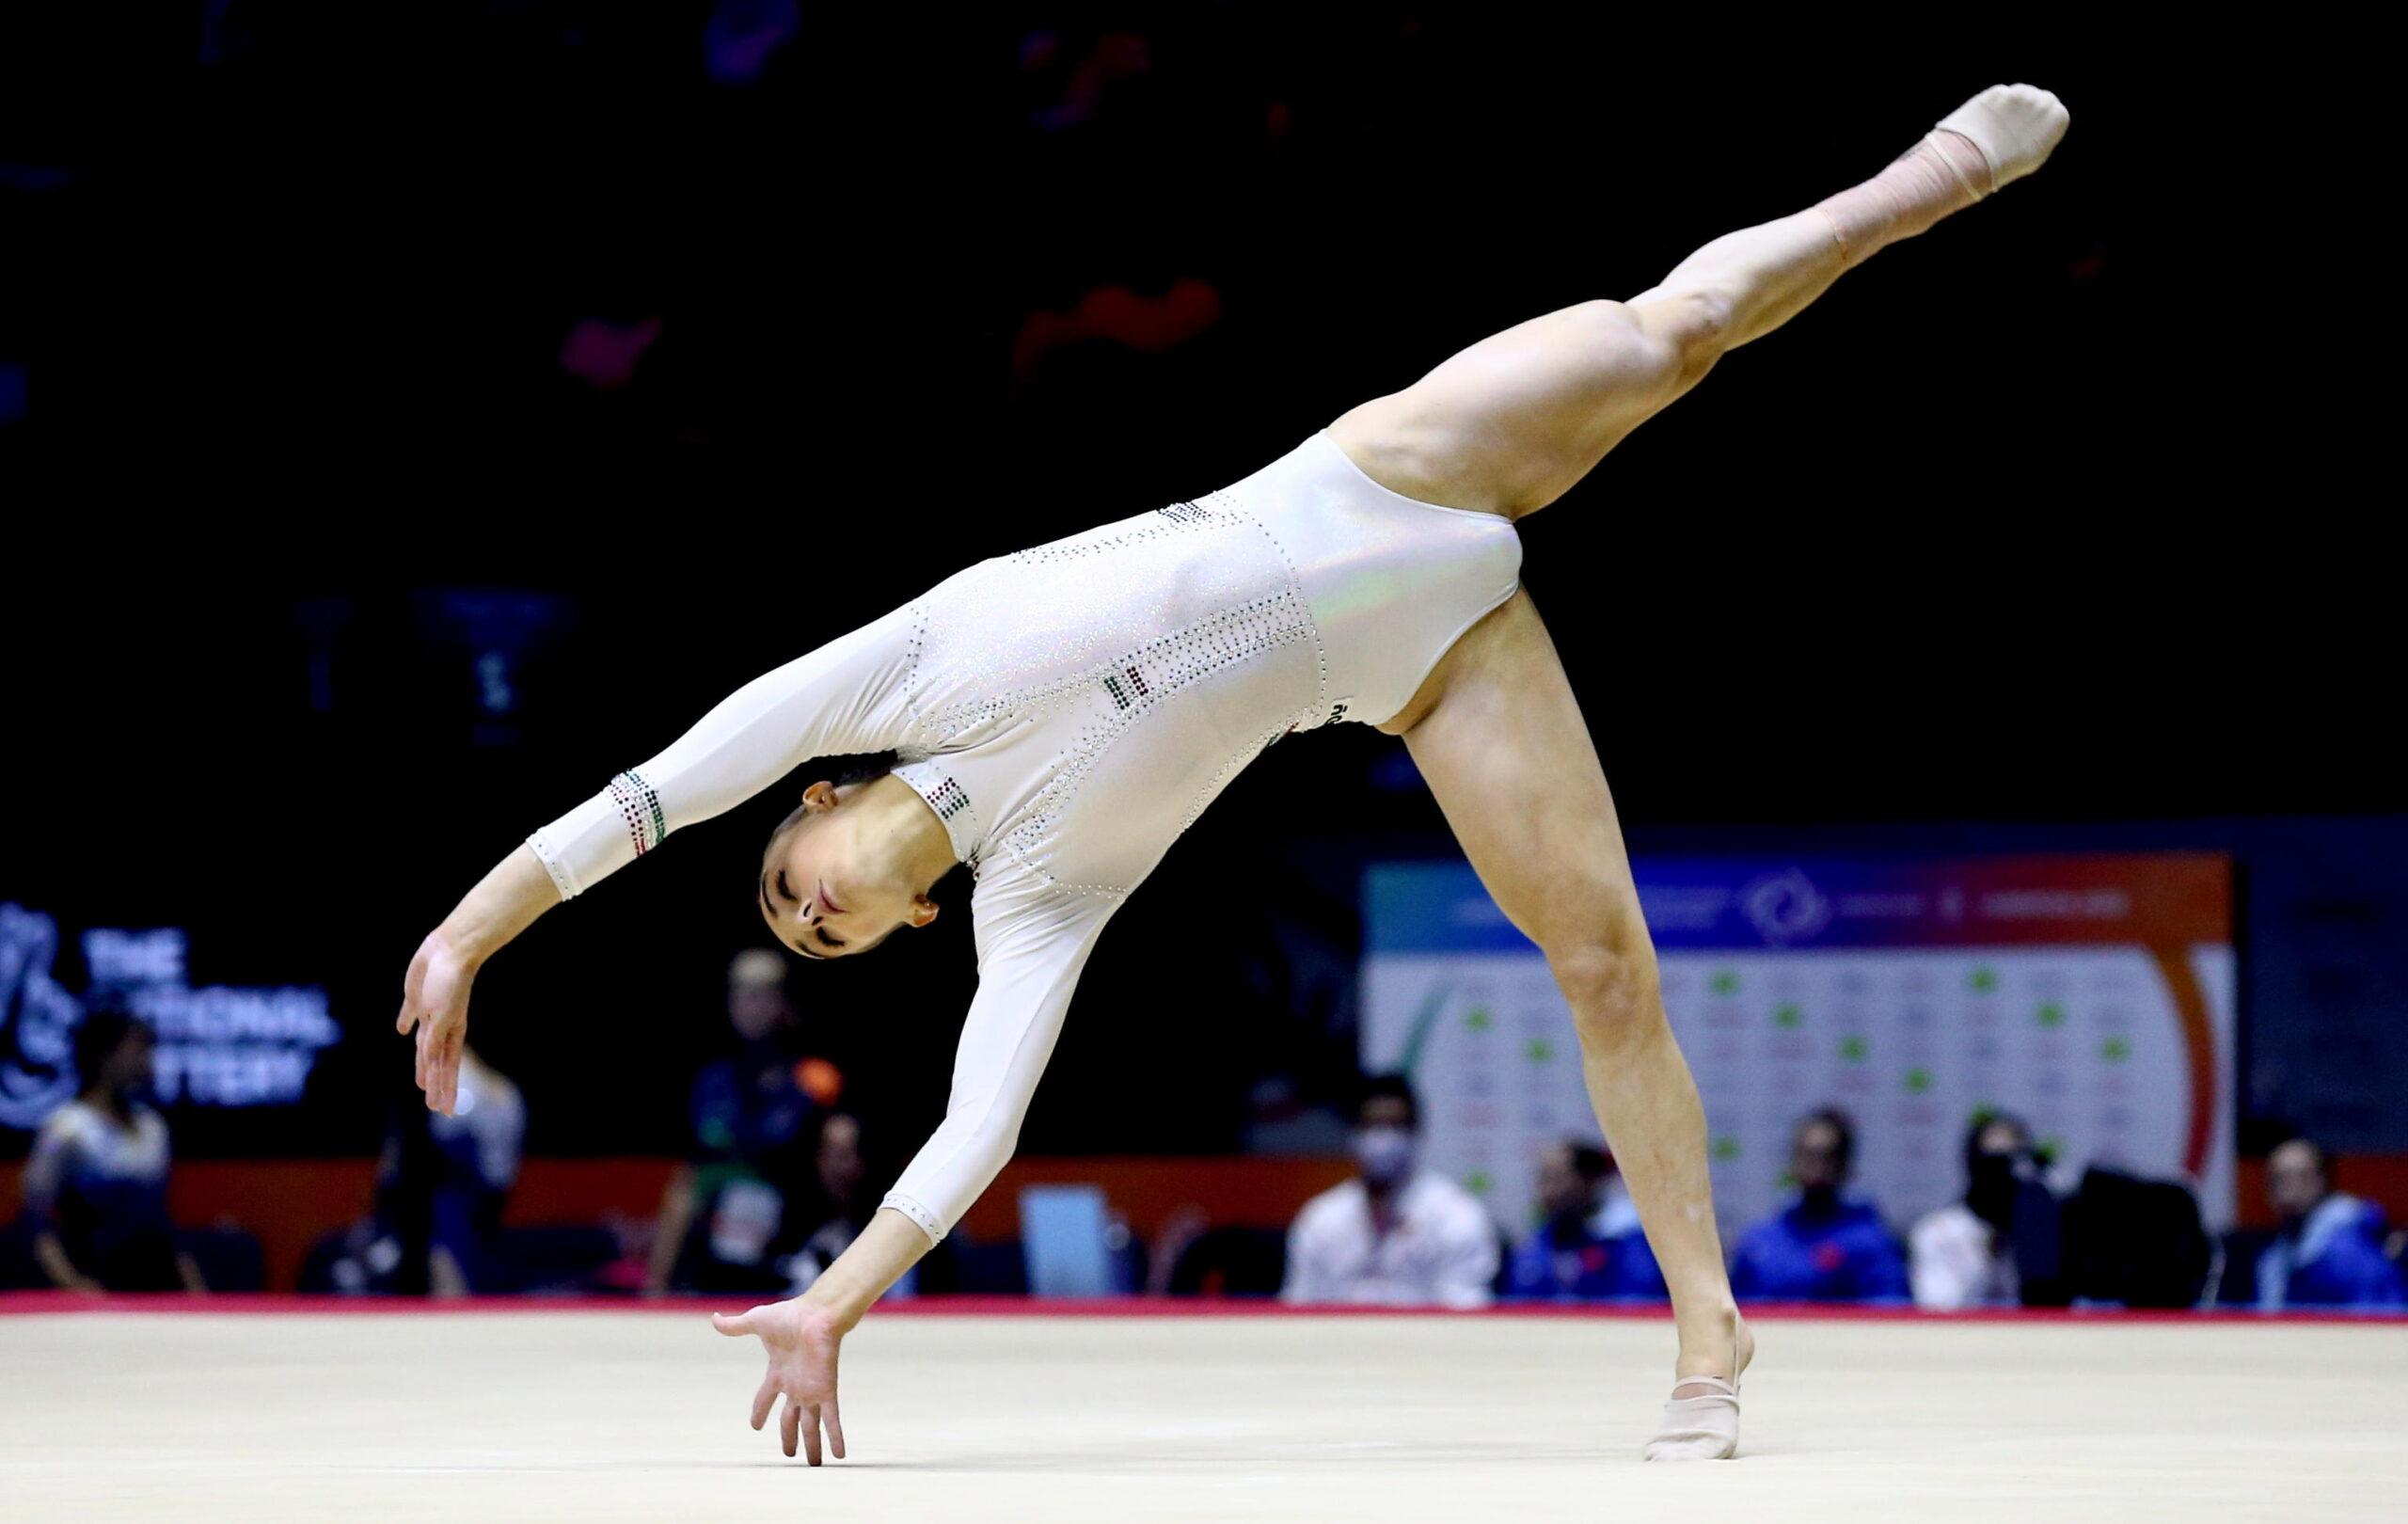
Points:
(1989, 1117)
(1983, 1121)
(1589, 1160)
(98, 1037)
(1833, 1117)
(2323, 1154)
(1390, 1087)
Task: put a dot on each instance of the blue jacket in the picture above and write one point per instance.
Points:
(1842, 1255)
(1579, 1263)
(2334, 1260)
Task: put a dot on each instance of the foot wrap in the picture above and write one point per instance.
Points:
(1700, 1427)
(1998, 136)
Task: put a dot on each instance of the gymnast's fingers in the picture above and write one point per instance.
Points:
(735, 1327)
(763, 1400)
(447, 1071)
(810, 1435)
(788, 1421)
(413, 986)
(836, 1429)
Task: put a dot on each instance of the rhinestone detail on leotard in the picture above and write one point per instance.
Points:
(1178, 518)
(640, 806)
(1171, 663)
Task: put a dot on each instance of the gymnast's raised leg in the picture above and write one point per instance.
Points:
(1508, 425)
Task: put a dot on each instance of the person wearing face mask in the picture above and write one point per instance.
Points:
(1395, 1234)
(1827, 1246)
(96, 1184)
(1964, 1254)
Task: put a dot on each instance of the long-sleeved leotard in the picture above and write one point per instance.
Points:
(1067, 711)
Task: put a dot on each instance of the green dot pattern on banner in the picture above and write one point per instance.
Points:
(1480, 1182)
(1908, 1034)
(1540, 1050)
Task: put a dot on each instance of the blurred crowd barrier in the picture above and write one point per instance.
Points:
(290, 1205)
(1181, 1225)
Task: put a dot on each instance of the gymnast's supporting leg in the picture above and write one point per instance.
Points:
(1508, 425)
(1507, 754)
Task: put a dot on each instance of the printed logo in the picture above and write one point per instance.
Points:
(1786, 906)
(37, 1020)
(218, 1045)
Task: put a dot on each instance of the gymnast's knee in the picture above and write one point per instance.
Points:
(1609, 975)
(1688, 326)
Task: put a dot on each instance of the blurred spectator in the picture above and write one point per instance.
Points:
(96, 1184)
(476, 1159)
(1191, 1257)
(1826, 1246)
(390, 1249)
(1395, 1234)
(736, 1209)
(1279, 1121)
(842, 1204)
(2127, 1241)
(1963, 1254)
(434, 1225)
(1589, 1246)
(2328, 1251)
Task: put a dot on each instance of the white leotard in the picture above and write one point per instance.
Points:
(1067, 711)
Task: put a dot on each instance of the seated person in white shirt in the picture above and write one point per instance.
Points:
(1962, 1255)
(1395, 1234)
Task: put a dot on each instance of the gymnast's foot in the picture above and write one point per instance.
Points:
(1999, 135)
(2014, 127)
(1701, 1421)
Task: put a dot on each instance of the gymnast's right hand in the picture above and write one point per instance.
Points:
(801, 1342)
(435, 1000)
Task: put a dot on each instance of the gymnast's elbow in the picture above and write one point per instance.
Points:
(964, 1157)
(988, 1148)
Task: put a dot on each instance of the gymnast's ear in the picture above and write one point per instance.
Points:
(820, 796)
(924, 909)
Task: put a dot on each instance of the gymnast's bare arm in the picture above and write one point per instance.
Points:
(434, 995)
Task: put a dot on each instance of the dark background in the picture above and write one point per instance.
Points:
(2042, 526)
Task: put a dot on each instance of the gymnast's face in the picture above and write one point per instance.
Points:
(832, 882)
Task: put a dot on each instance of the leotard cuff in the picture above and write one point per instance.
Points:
(930, 1223)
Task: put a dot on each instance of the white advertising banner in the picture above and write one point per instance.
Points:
(2092, 995)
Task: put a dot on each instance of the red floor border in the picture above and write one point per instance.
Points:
(18, 1304)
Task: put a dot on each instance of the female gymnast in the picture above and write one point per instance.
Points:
(1060, 715)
